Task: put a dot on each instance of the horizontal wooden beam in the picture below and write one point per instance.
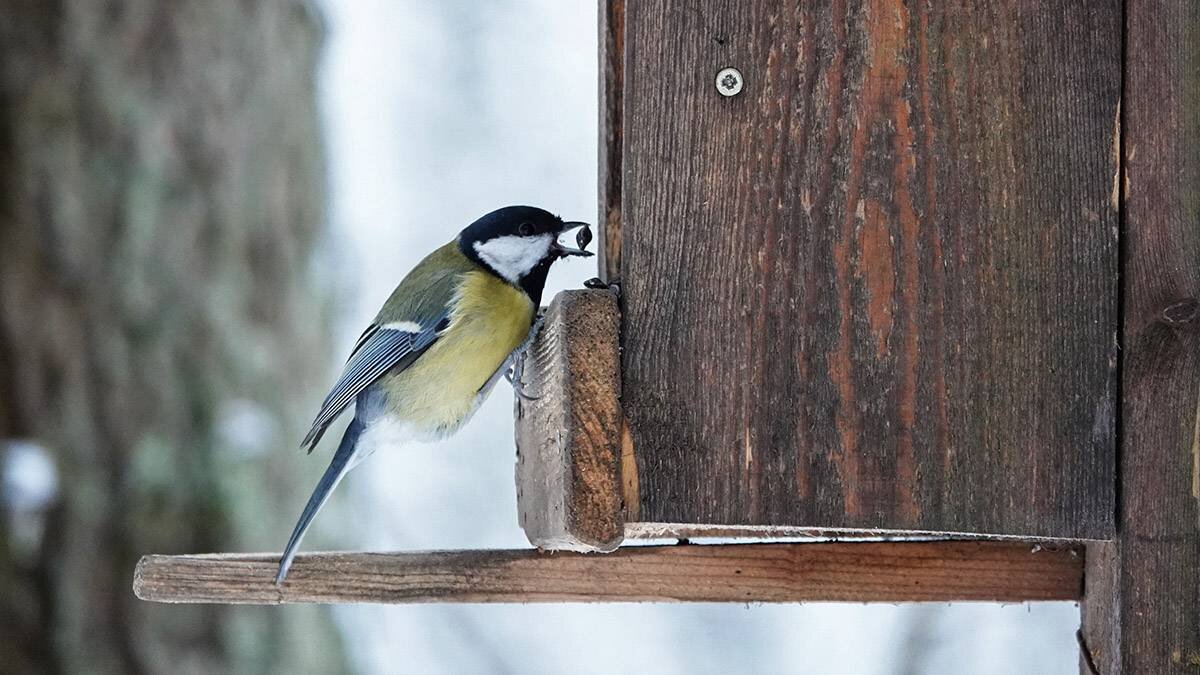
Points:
(987, 571)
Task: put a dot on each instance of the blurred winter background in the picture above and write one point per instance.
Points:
(205, 203)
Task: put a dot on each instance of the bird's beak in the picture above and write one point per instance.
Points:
(582, 239)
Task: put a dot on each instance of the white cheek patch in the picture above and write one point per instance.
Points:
(512, 257)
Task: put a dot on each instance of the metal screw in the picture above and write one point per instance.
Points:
(729, 82)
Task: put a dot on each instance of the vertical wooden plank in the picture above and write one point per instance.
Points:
(876, 289)
(568, 432)
(1099, 635)
(612, 95)
(1156, 609)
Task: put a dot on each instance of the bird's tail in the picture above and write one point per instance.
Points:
(341, 463)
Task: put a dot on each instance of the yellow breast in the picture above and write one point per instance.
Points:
(441, 390)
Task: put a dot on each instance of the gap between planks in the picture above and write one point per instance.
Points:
(945, 571)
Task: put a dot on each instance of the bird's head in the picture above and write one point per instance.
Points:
(519, 244)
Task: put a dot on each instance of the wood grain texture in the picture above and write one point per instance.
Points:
(612, 90)
(841, 572)
(877, 289)
(1155, 611)
(568, 438)
(1099, 636)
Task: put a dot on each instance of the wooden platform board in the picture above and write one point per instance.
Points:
(846, 572)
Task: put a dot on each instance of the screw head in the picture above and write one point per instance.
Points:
(730, 81)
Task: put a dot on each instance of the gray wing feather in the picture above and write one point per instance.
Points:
(379, 351)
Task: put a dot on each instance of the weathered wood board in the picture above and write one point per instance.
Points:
(1142, 610)
(878, 287)
(612, 63)
(568, 430)
(819, 572)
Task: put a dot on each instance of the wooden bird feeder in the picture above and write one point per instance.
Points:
(930, 273)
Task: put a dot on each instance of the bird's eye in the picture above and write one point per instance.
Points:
(525, 229)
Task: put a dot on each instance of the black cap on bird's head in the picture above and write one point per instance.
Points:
(519, 244)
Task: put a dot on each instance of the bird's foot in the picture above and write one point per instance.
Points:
(514, 378)
(598, 284)
(516, 374)
(519, 390)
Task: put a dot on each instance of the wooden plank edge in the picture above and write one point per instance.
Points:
(745, 533)
(612, 102)
(1099, 632)
(890, 572)
(568, 438)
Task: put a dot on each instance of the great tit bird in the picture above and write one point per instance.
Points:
(442, 340)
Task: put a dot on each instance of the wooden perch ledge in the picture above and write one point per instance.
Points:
(568, 439)
(988, 571)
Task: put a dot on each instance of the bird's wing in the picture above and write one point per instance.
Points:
(409, 322)
(381, 349)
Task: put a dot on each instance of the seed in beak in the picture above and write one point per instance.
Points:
(583, 237)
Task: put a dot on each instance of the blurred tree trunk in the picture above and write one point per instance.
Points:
(161, 200)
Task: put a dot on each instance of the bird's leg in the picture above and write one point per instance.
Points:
(516, 374)
(518, 370)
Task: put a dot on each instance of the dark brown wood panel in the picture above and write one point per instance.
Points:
(878, 288)
(612, 90)
(837, 572)
(1152, 624)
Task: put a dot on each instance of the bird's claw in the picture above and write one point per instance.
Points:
(598, 284)
(519, 390)
(516, 374)
(514, 378)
